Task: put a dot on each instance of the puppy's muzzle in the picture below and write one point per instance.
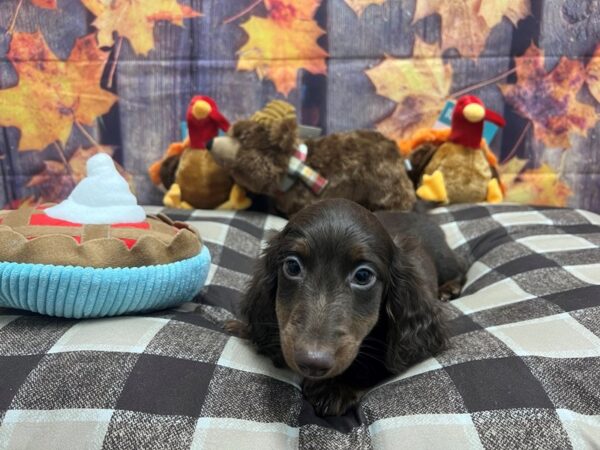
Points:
(314, 363)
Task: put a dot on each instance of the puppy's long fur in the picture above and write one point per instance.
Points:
(342, 302)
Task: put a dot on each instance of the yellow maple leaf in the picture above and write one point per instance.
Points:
(466, 24)
(514, 10)
(510, 171)
(52, 94)
(277, 50)
(408, 117)
(424, 75)
(541, 186)
(359, 6)
(418, 85)
(135, 20)
(593, 74)
(548, 99)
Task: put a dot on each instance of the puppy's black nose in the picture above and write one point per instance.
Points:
(209, 144)
(314, 363)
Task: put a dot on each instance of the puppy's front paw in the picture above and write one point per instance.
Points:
(450, 290)
(330, 397)
(236, 328)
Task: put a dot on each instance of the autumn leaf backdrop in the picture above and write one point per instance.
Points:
(79, 77)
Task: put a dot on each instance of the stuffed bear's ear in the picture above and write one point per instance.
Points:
(284, 133)
(279, 117)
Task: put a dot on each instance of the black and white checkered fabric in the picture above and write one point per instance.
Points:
(523, 370)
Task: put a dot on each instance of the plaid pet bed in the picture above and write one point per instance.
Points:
(523, 369)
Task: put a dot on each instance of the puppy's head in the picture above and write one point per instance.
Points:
(323, 284)
(331, 273)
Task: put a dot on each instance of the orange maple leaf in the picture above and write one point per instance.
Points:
(52, 94)
(47, 4)
(548, 99)
(279, 46)
(135, 20)
(359, 6)
(53, 184)
(593, 74)
(541, 186)
(418, 85)
(466, 24)
(286, 11)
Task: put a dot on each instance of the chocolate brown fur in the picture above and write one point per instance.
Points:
(343, 337)
(363, 166)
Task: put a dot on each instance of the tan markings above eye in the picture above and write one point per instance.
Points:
(300, 247)
(357, 254)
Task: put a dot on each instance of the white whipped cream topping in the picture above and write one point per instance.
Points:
(103, 197)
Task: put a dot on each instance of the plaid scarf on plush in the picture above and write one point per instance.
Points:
(298, 169)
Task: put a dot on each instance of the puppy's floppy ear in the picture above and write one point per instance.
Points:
(415, 325)
(258, 305)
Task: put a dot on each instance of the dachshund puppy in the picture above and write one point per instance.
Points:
(450, 268)
(340, 301)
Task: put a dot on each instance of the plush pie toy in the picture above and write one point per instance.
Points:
(97, 253)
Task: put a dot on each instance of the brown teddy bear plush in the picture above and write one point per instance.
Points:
(265, 155)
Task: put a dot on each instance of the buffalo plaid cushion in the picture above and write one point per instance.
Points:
(522, 370)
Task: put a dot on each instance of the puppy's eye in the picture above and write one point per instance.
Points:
(292, 267)
(363, 277)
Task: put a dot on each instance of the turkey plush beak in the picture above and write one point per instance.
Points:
(201, 109)
(494, 117)
(474, 112)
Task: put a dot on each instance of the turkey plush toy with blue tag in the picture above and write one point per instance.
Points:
(456, 165)
(97, 254)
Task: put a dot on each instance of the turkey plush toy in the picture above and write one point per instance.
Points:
(189, 172)
(456, 165)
